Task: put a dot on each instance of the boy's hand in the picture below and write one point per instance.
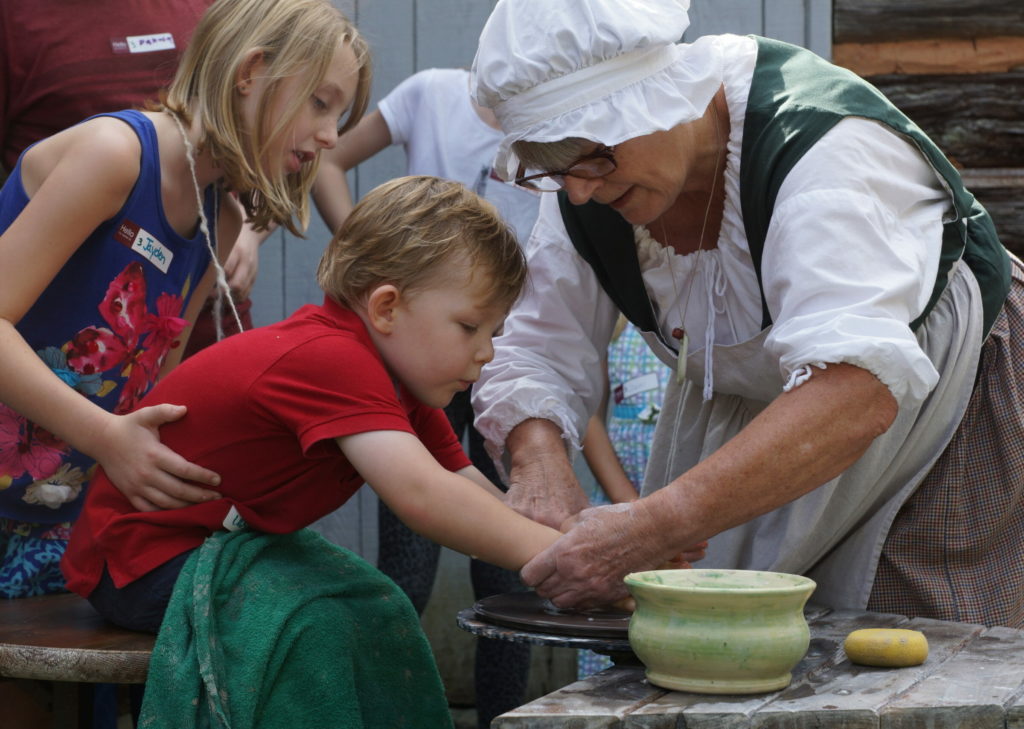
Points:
(148, 473)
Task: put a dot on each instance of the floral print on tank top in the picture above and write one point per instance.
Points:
(120, 355)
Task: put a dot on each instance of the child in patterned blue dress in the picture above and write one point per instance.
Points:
(617, 449)
(110, 233)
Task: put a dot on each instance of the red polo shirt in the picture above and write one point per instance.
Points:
(264, 408)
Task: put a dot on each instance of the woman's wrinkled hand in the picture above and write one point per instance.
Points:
(585, 567)
(147, 472)
(545, 490)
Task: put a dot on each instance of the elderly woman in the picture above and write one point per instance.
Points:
(844, 323)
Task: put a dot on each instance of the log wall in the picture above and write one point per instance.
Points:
(957, 70)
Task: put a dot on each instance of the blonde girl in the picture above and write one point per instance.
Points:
(110, 235)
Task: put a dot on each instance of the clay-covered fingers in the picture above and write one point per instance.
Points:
(586, 566)
(584, 596)
(568, 574)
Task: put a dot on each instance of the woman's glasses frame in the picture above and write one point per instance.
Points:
(590, 166)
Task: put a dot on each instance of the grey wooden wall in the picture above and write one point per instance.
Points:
(410, 35)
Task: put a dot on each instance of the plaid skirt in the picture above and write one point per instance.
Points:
(956, 548)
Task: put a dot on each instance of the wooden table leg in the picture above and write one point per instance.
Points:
(72, 705)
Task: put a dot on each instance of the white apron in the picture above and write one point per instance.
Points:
(835, 533)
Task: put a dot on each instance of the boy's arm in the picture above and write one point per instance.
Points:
(443, 506)
(475, 475)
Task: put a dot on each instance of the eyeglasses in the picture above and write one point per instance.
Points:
(598, 163)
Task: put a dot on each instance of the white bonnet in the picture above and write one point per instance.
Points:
(604, 70)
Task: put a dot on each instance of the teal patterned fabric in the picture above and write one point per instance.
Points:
(30, 566)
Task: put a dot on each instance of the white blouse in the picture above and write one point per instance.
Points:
(850, 259)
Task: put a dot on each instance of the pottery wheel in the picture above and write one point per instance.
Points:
(528, 611)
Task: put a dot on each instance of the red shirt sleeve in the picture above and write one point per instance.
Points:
(329, 387)
(435, 432)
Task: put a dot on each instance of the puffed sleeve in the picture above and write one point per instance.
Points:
(547, 363)
(851, 258)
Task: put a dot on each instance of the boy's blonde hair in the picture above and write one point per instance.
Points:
(405, 231)
(296, 38)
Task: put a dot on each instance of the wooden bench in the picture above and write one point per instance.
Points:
(61, 638)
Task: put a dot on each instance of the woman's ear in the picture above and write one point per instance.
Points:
(381, 307)
(252, 65)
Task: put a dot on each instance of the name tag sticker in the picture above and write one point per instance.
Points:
(643, 383)
(149, 43)
(234, 522)
(147, 246)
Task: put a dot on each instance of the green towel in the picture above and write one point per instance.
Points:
(289, 631)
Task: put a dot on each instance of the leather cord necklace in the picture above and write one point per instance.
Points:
(223, 292)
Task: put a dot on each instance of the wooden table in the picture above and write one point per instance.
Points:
(973, 679)
(61, 638)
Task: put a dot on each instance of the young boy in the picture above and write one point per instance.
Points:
(297, 415)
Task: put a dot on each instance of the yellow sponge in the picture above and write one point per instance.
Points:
(889, 647)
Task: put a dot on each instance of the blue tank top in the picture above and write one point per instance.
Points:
(104, 325)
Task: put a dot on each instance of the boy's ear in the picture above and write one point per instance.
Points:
(250, 66)
(381, 307)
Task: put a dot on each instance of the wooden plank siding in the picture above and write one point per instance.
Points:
(406, 36)
(978, 121)
(956, 69)
(872, 21)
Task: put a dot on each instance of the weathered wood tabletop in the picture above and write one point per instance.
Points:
(973, 679)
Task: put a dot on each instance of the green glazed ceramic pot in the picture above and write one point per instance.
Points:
(719, 631)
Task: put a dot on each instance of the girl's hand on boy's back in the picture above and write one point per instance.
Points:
(148, 473)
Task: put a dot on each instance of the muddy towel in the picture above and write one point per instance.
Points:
(289, 631)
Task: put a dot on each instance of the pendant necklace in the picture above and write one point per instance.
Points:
(679, 333)
(223, 292)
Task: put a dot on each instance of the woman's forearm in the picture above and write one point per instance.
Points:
(803, 439)
(542, 483)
